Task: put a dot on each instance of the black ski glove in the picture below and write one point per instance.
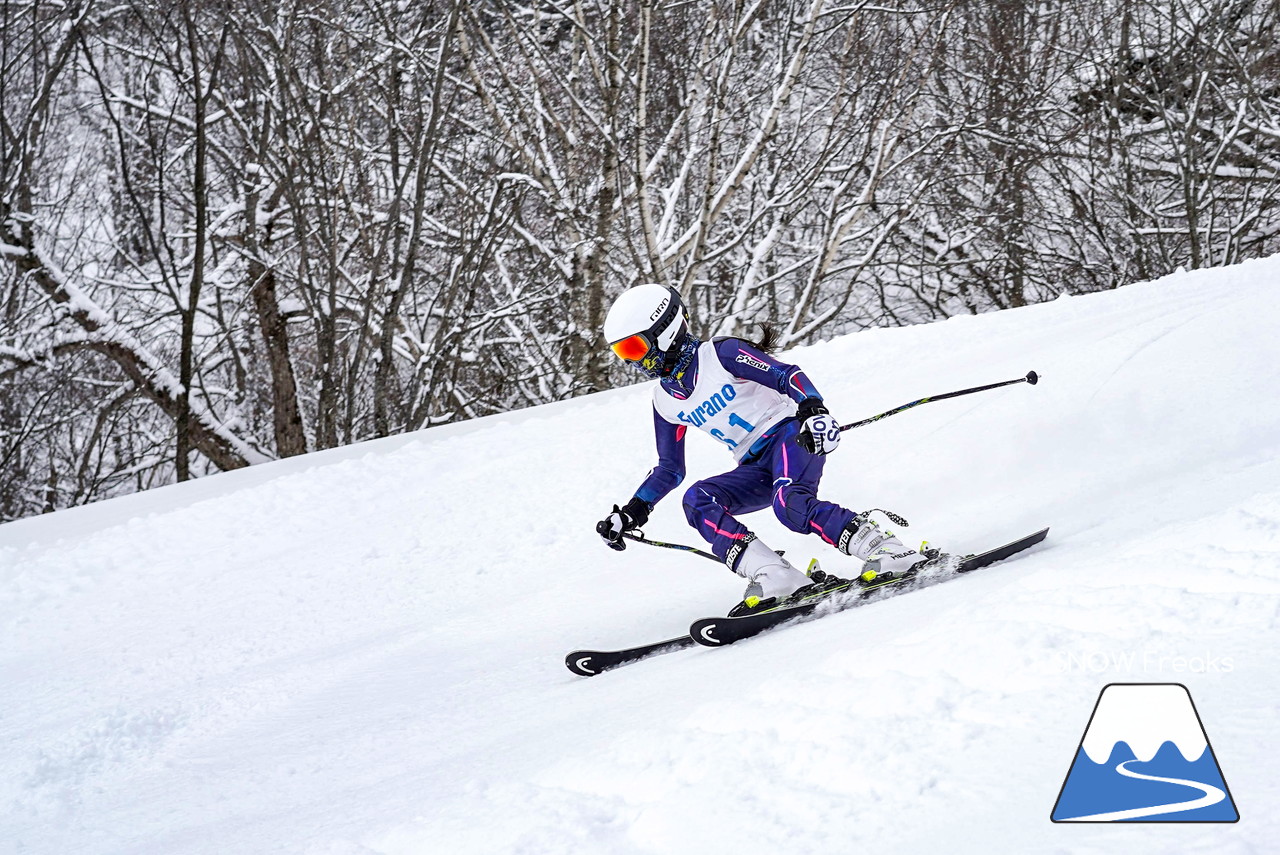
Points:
(819, 433)
(810, 407)
(632, 515)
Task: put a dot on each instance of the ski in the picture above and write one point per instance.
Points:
(720, 631)
(588, 663)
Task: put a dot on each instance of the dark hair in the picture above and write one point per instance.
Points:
(769, 338)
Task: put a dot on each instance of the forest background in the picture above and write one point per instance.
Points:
(236, 231)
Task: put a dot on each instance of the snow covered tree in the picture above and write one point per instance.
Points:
(237, 231)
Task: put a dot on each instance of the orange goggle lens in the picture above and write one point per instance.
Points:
(633, 348)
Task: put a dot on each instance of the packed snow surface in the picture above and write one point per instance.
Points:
(361, 651)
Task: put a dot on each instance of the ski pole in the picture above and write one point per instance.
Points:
(1031, 378)
(639, 537)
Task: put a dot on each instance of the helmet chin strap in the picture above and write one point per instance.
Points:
(687, 349)
(676, 360)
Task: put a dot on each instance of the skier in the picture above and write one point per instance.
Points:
(773, 420)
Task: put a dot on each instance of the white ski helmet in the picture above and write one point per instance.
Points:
(647, 326)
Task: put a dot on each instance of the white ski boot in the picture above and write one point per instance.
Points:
(772, 578)
(885, 556)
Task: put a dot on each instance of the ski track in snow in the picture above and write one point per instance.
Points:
(361, 651)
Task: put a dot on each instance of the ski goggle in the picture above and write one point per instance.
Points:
(633, 348)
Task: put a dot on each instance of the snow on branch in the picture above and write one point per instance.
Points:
(100, 333)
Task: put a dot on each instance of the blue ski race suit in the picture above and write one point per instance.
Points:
(745, 399)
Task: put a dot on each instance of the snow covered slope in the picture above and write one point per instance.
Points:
(361, 651)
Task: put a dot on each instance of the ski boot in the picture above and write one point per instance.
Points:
(773, 580)
(885, 557)
(924, 558)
